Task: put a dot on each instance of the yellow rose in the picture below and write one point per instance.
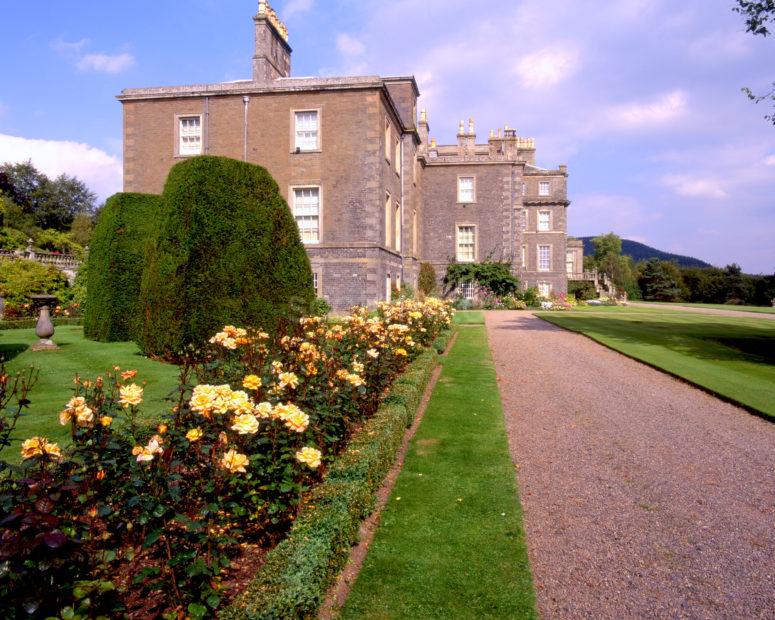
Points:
(401, 352)
(234, 462)
(65, 416)
(195, 434)
(251, 382)
(297, 421)
(263, 410)
(84, 416)
(288, 379)
(245, 424)
(106, 421)
(39, 446)
(240, 403)
(131, 394)
(310, 457)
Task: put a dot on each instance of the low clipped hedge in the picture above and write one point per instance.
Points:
(31, 323)
(298, 572)
(115, 269)
(226, 251)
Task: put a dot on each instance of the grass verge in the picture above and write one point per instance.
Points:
(469, 317)
(756, 309)
(729, 356)
(297, 573)
(450, 542)
(76, 355)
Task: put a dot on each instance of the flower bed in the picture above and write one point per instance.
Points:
(137, 520)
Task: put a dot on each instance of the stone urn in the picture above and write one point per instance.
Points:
(44, 329)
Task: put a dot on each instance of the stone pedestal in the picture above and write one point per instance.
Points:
(44, 330)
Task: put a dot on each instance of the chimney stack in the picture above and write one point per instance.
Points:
(272, 59)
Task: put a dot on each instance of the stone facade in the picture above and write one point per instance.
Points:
(358, 170)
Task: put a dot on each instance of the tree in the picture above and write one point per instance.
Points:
(606, 244)
(51, 203)
(608, 259)
(758, 14)
(657, 282)
(426, 280)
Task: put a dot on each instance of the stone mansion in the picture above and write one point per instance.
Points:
(372, 194)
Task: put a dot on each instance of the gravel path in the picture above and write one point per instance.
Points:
(643, 497)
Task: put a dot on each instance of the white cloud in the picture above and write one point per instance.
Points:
(663, 109)
(694, 187)
(69, 48)
(96, 61)
(101, 172)
(720, 46)
(770, 161)
(296, 6)
(106, 63)
(546, 67)
(349, 45)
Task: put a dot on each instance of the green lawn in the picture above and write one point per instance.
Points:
(760, 309)
(732, 357)
(450, 542)
(469, 317)
(57, 369)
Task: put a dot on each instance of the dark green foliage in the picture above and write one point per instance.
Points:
(227, 251)
(53, 203)
(115, 265)
(582, 290)
(657, 283)
(319, 307)
(495, 276)
(426, 279)
(297, 573)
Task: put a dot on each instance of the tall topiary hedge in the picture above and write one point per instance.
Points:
(226, 251)
(115, 265)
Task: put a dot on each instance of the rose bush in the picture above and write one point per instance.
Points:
(133, 518)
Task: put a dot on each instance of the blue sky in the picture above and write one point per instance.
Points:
(641, 98)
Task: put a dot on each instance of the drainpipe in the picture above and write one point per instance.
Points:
(403, 198)
(207, 125)
(246, 102)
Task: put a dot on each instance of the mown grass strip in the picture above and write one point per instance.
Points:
(729, 356)
(450, 542)
(469, 317)
(755, 309)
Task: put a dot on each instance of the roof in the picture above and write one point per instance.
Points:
(246, 87)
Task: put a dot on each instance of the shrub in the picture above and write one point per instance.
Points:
(582, 290)
(227, 250)
(531, 297)
(426, 280)
(20, 278)
(115, 265)
(319, 307)
(12, 239)
(494, 276)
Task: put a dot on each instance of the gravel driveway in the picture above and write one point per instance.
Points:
(643, 497)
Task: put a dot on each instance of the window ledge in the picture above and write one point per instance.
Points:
(305, 151)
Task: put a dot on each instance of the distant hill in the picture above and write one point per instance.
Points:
(641, 251)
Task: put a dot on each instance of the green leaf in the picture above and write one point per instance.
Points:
(197, 610)
(152, 538)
